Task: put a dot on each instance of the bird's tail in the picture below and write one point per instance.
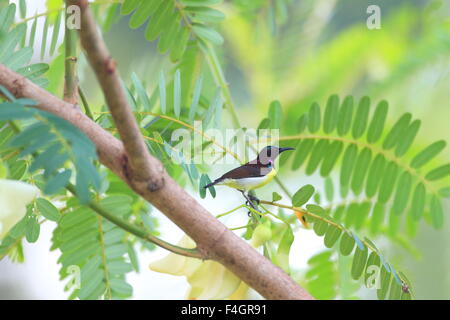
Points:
(212, 183)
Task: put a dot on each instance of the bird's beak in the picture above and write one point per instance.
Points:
(285, 149)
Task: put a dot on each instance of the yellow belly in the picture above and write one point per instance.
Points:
(250, 183)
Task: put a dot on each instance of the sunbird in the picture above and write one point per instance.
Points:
(254, 174)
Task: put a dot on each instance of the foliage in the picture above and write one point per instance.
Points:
(103, 262)
(12, 37)
(376, 163)
(175, 21)
(53, 142)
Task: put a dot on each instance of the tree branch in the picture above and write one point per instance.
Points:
(213, 239)
(70, 65)
(138, 232)
(139, 167)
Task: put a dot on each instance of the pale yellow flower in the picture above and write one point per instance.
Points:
(14, 197)
(208, 279)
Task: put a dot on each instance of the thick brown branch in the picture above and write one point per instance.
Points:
(139, 167)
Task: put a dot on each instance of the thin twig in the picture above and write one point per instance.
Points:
(87, 108)
(137, 231)
(70, 65)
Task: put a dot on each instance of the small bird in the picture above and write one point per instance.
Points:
(253, 174)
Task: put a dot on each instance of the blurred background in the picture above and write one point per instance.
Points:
(304, 54)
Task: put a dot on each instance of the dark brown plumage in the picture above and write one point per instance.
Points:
(259, 167)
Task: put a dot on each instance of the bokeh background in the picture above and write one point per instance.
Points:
(314, 49)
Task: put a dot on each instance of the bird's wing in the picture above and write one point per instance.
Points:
(246, 171)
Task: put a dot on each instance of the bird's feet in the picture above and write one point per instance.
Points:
(254, 198)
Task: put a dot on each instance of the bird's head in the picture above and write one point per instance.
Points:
(270, 153)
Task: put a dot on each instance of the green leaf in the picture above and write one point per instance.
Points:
(388, 182)
(57, 182)
(121, 287)
(313, 208)
(428, 154)
(352, 213)
(205, 14)
(168, 38)
(19, 58)
(407, 138)
(331, 157)
(361, 216)
(275, 114)
(55, 34)
(329, 189)
(347, 244)
(377, 218)
(284, 248)
(142, 14)
(394, 136)
(7, 17)
(418, 201)
(8, 95)
(345, 116)
(160, 19)
(314, 118)
(360, 170)
(445, 192)
(217, 108)
(207, 33)
(359, 262)
(47, 209)
(302, 152)
(302, 123)
(200, 3)
(264, 124)
(209, 113)
(177, 94)
(195, 98)
(32, 33)
(276, 197)
(332, 236)
(32, 230)
(361, 117)
(142, 94)
(331, 114)
(316, 156)
(17, 169)
(133, 257)
(302, 195)
(34, 70)
(374, 260)
(375, 175)
(162, 92)
(378, 121)
(44, 38)
(348, 163)
(385, 280)
(10, 42)
(180, 45)
(129, 5)
(395, 291)
(438, 173)
(320, 227)
(402, 194)
(436, 212)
